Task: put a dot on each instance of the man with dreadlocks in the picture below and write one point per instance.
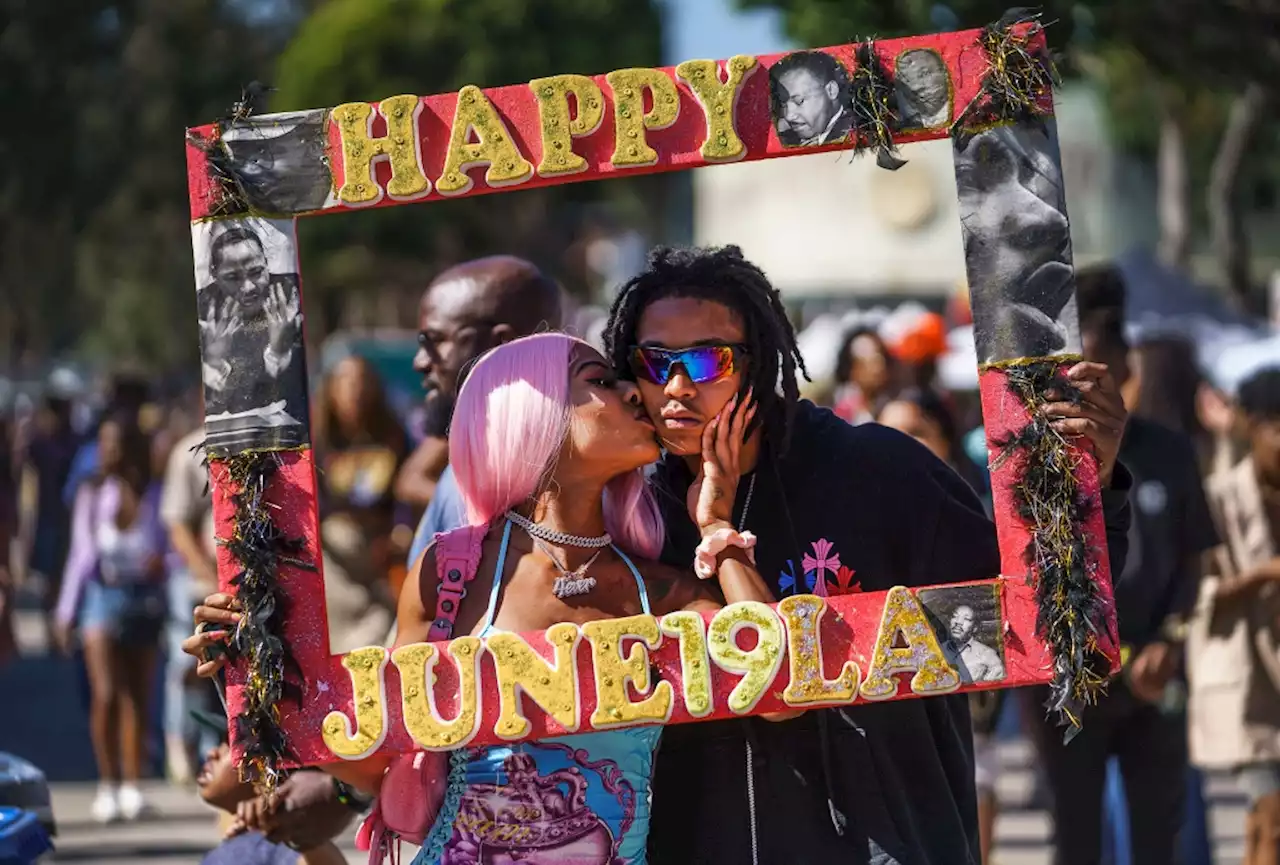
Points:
(882, 783)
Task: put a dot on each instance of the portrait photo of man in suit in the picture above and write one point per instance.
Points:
(809, 99)
(968, 623)
(250, 314)
(923, 87)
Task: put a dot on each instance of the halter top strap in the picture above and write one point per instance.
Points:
(501, 566)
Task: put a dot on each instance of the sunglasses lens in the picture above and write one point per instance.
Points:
(708, 363)
(702, 364)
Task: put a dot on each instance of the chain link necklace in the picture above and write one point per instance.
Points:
(570, 582)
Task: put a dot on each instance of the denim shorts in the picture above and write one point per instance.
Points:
(132, 614)
(1259, 780)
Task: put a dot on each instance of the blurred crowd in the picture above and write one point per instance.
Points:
(1206, 467)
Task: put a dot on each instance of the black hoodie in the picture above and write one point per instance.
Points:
(897, 778)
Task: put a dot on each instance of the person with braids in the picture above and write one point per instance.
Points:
(867, 508)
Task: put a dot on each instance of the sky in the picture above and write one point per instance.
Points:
(713, 29)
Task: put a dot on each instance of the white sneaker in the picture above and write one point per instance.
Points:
(106, 807)
(132, 804)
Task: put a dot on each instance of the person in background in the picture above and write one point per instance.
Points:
(1233, 650)
(243, 810)
(128, 394)
(1154, 594)
(359, 447)
(186, 509)
(48, 456)
(465, 311)
(917, 339)
(923, 415)
(8, 530)
(865, 374)
(1165, 387)
(113, 596)
(886, 783)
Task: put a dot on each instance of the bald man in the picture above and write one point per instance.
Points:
(464, 312)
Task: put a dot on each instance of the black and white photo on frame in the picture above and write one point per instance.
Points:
(969, 623)
(809, 99)
(922, 84)
(250, 313)
(1017, 242)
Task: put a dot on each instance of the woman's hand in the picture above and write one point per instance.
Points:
(712, 493)
(64, 637)
(1100, 415)
(215, 619)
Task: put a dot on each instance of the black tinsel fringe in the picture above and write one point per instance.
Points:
(1070, 610)
(259, 547)
(1018, 76)
(874, 104)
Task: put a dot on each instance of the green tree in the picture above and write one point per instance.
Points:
(93, 214)
(352, 50)
(1189, 83)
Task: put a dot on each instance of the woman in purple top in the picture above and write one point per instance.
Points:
(113, 595)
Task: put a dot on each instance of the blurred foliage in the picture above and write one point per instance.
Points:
(95, 250)
(94, 228)
(353, 50)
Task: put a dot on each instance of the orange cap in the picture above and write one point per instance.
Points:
(925, 340)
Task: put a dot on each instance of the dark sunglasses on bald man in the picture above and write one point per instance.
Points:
(702, 363)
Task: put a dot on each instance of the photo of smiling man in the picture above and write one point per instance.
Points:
(1017, 244)
(809, 92)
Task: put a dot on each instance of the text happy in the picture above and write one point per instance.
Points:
(569, 108)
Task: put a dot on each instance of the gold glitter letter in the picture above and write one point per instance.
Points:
(417, 665)
(369, 697)
(922, 655)
(360, 150)
(630, 148)
(554, 687)
(558, 130)
(494, 147)
(695, 666)
(803, 615)
(613, 706)
(760, 665)
(719, 102)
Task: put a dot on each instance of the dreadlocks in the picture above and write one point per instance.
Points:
(721, 275)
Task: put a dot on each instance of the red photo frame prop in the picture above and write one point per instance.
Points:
(295, 702)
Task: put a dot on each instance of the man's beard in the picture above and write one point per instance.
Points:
(439, 414)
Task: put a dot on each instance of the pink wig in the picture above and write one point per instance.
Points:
(509, 424)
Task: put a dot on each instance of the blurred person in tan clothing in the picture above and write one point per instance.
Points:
(1233, 651)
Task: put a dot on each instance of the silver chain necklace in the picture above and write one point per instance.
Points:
(746, 506)
(559, 538)
(570, 583)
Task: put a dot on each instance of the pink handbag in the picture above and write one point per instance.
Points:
(414, 784)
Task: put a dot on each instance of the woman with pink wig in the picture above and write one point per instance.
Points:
(549, 449)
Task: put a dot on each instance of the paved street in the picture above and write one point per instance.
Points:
(50, 731)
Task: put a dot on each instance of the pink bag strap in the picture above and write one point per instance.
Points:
(457, 560)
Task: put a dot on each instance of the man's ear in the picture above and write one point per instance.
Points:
(833, 91)
(501, 334)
